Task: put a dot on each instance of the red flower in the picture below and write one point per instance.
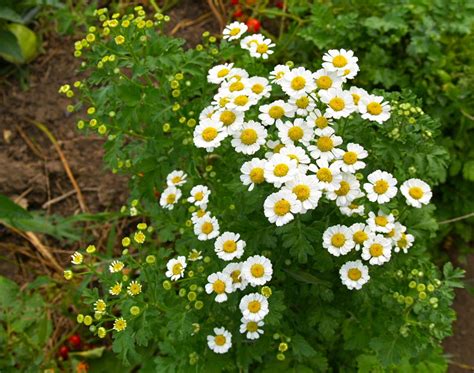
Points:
(253, 25)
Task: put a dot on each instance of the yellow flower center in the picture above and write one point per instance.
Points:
(324, 82)
(235, 275)
(356, 98)
(201, 213)
(209, 134)
(338, 240)
(254, 306)
(218, 286)
(199, 196)
(207, 228)
(381, 186)
(325, 143)
(135, 289)
(354, 274)
(256, 175)
(415, 192)
(241, 100)
(298, 83)
(257, 88)
(170, 198)
(321, 122)
(337, 104)
(223, 101)
(177, 269)
(219, 340)
(227, 117)
(374, 108)
(234, 31)
(281, 170)
(252, 326)
(176, 179)
(302, 192)
(276, 112)
(302, 102)
(324, 174)
(381, 221)
(262, 48)
(248, 136)
(257, 270)
(295, 133)
(339, 61)
(236, 86)
(277, 148)
(376, 249)
(349, 157)
(344, 188)
(402, 242)
(282, 207)
(360, 237)
(223, 72)
(229, 246)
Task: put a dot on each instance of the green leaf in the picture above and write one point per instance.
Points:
(9, 14)
(8, 292)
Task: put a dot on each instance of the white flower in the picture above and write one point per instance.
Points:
(194, 255)
(298, 81)
(275, 147)
(231, 119)
(278, 73)
(209, 134)
(347, 190)
(260, 86)
(377, 250)
(416, 192)
(326, 145)
(318, 119)
(176, 178)
(404, 243)
(229, 246)
(354, 274)
(306, 189)
(199, 195)
(234, 31)
(77, 258)
(207, 112)
(116, 266)
(275, 111)
(206, 228)
(298, 154)
(396, 233)
(279, 169)
(327, 79)
(134, 288)
(352, 209)
(221, 342)
(381, 222)
(381, 187)
(242, 100)
(328, 176)
(280, 207)
(234, 270)
(303, 104)
(219, 283)
(175, 268)
(249, 137)
(237, 73)
(252, 172)
(338, 240)
(234, 85)
(257, 270)
(251, 328)
(198, 214)
(350, 161)
(341, 61)
(360, 233)
(262, 49)
(339, 103)
(170, 197)
(219, 73)
(254, 306)
(357, 93)
(373, 108)
(294, 132)
(248, 41)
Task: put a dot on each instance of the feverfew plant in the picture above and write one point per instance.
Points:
(287, 213)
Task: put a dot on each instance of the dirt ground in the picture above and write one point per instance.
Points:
(32, 173)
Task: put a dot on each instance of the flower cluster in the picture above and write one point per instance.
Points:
(257, 45)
